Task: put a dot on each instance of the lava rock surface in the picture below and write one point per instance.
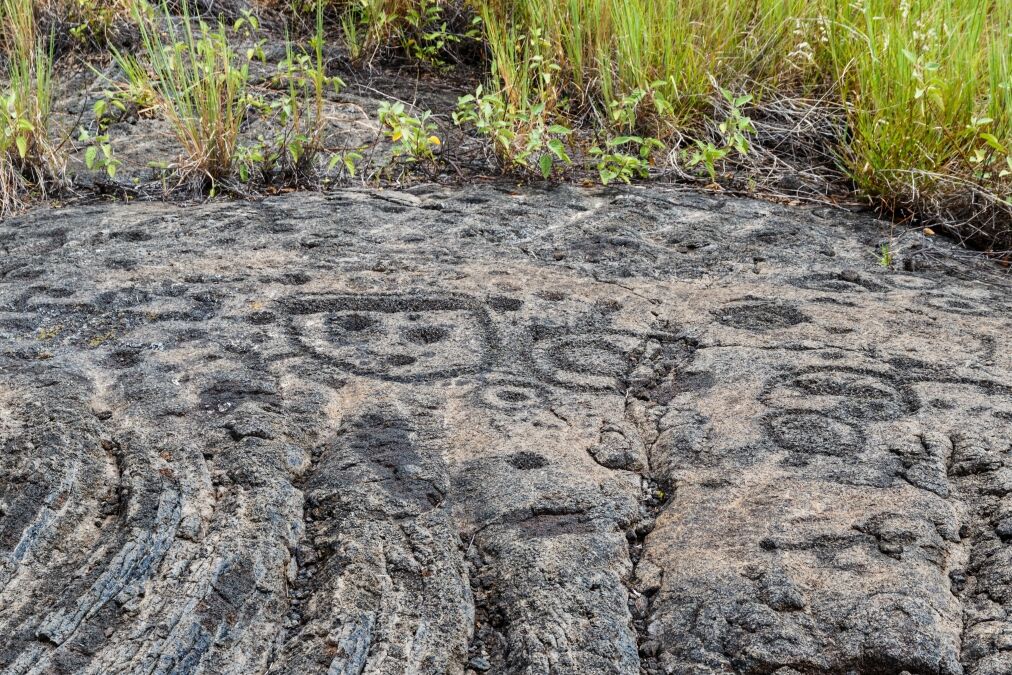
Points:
(472, 430)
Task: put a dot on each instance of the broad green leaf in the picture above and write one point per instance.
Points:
(993, 141)
(546, 165)
(622, 140)
(349, 163)
(555, 145)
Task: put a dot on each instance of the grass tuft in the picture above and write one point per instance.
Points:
(201, 86)
(28, 160)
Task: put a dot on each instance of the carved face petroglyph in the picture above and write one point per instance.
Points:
(397, 337)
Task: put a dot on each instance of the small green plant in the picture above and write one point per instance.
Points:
(736, 127)
(733, 131)
(992, 159)
(348, 160)
(109, 109)
(488, 113)
(707, 154)
(624, 111)
(613, 163)
(885, 255)
(631, 111)
(556, 149)
(132, 95)
(425, 36)
(414, 137)
(521, 138)
(247, 26)
(98, 154)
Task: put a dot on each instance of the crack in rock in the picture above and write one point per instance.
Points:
(466, 431)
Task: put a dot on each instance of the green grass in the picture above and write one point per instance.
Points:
(27, 159)
(201, 86)
(927, 88)
(595, 52)
(417, 29)
(925, 85)
(912, 98)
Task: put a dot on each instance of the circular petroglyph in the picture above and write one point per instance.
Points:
(813, 432)
(692, 235)
(760, 315)
(552, 296)
(502, 303)
(842, 391)
(509, 394)
(349, 323)
(429, 334)
(592, 362)
(526, 460)
(844, 281)
(965, 304)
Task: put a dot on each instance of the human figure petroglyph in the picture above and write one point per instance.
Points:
(306, 436)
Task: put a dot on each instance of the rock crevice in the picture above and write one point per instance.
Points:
(539, 432)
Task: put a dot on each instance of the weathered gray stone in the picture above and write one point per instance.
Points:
(472, 430)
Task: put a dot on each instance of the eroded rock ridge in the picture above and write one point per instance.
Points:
(477, 431)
